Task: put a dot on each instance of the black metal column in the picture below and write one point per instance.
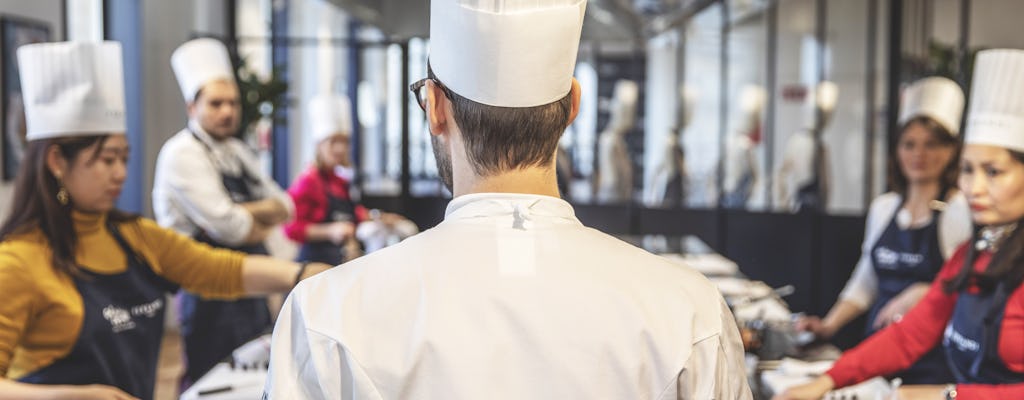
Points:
(771, 83)
(869, 103)
(895, 64)
(963, 75)
(406, 179)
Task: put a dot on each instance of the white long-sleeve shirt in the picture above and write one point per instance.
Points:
(954, 229)
(509, 298)
(189, 196)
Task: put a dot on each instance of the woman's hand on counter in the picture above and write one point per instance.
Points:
(895, 309)
(814, 390)
(816, 326)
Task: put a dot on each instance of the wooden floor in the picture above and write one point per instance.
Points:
(171, 367)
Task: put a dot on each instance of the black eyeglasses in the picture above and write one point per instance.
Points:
(417, 91)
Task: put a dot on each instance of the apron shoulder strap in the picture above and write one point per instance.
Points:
(164, 284)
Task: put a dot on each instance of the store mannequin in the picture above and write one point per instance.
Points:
(802, 181)
(615, 170)
(741, 172)
(668, 184)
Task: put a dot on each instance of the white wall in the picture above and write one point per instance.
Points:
(48, 11)
(167, 26)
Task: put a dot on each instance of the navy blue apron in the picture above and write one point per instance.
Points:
(122, 326)
(972, 348)
(902, 258)
(338, 209)
(212, 329)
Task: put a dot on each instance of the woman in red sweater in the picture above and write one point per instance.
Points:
(975, 307)
(325, 214)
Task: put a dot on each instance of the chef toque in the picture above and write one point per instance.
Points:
(199, 62)
(937, 98)
(506, 53)
(72, 89)
(330, 114)
(996, 113)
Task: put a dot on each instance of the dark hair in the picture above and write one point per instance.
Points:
(1007, 265)
(898, 180)
(499, 139)
(35, 204)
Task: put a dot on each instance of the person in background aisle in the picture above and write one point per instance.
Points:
(912, 230)
(327, 219)
(208, 186)
(510, 297)
(975, 307)
(83, 283)
(802, 179)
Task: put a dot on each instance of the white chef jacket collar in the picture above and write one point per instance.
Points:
(525, 206)
(201, 134)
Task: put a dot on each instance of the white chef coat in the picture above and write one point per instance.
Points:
(954, 228)
(188, 194)
(510, 297)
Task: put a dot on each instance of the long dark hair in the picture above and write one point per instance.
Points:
(898, 180)
(35, 204)
(1007, 265)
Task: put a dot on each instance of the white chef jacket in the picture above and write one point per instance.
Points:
(954, 228)
(188, 194)
(510, 297)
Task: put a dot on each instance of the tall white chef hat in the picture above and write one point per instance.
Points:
(72, 88)
(996, 113)
(937, 98)
(199, 62)
(330, 114)
(507, 53)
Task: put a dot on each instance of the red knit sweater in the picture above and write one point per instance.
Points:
(309, 193)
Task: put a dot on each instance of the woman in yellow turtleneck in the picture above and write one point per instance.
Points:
(82, 285)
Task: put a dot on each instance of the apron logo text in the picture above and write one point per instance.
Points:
(888, 258)
(121, 319)
(962, 343)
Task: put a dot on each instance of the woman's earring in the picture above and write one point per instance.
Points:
(62, 193)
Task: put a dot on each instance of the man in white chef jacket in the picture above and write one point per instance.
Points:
(208, 185)
(510, 297)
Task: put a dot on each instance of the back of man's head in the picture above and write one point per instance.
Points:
(507, 65)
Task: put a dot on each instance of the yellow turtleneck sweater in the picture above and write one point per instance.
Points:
(41, 311)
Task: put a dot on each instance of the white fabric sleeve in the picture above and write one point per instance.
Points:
(305, 364)
(862, 288)
(196, 186)
(716, 368)
(955, 224)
